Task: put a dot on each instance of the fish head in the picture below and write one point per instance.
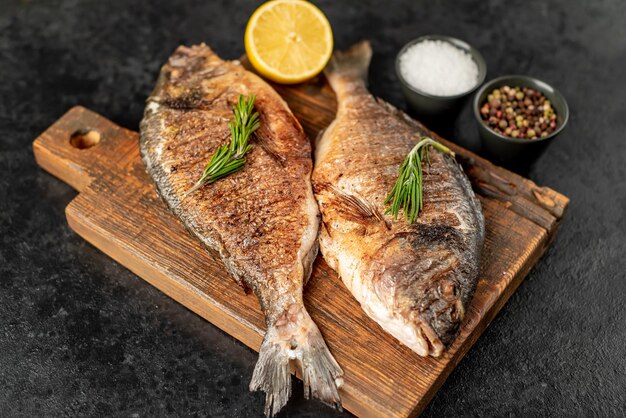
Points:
(424, 291)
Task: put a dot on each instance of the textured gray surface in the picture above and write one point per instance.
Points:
(80, 335)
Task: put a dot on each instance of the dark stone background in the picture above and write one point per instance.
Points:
(81, 335)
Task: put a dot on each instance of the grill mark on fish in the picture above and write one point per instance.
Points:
(192, 100)
(262, 220)
(415, 279)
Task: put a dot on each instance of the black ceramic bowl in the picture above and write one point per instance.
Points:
(518, 150)
(431, 105)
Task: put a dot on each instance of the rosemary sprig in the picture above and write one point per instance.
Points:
(407, 192)
(229, 158)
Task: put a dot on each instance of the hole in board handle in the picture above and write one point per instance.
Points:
(84, 138)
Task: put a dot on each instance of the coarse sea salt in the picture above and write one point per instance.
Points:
(438, 68)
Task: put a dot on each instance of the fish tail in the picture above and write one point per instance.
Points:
(349, 65)
(271, 374)
(294, 336)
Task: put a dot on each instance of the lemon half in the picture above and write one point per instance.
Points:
(288, 41)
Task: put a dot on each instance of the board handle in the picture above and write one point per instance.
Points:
(82, 146)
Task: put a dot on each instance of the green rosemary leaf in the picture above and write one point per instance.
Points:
(407, 192)
(229, 158)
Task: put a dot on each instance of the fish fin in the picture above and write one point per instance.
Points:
(308, 260)
(320, 135)
(320, 372)
(351, 64)
(355, 208)
(262, 137)
(404, 117)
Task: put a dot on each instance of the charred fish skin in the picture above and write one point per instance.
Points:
(263, 220)
(416, 280)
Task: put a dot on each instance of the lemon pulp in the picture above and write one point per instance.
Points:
(288, 41)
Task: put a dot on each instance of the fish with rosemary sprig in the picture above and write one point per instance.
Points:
(232, 161)
(400, 222)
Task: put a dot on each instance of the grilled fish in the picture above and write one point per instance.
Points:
(263, 220)
(415, 280)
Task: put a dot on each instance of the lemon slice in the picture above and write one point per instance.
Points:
(288, 41)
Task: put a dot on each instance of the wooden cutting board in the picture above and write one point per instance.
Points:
(118, 211)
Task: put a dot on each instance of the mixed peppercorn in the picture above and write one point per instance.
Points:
(519, 112)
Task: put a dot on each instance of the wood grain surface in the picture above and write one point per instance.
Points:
(118, 211)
